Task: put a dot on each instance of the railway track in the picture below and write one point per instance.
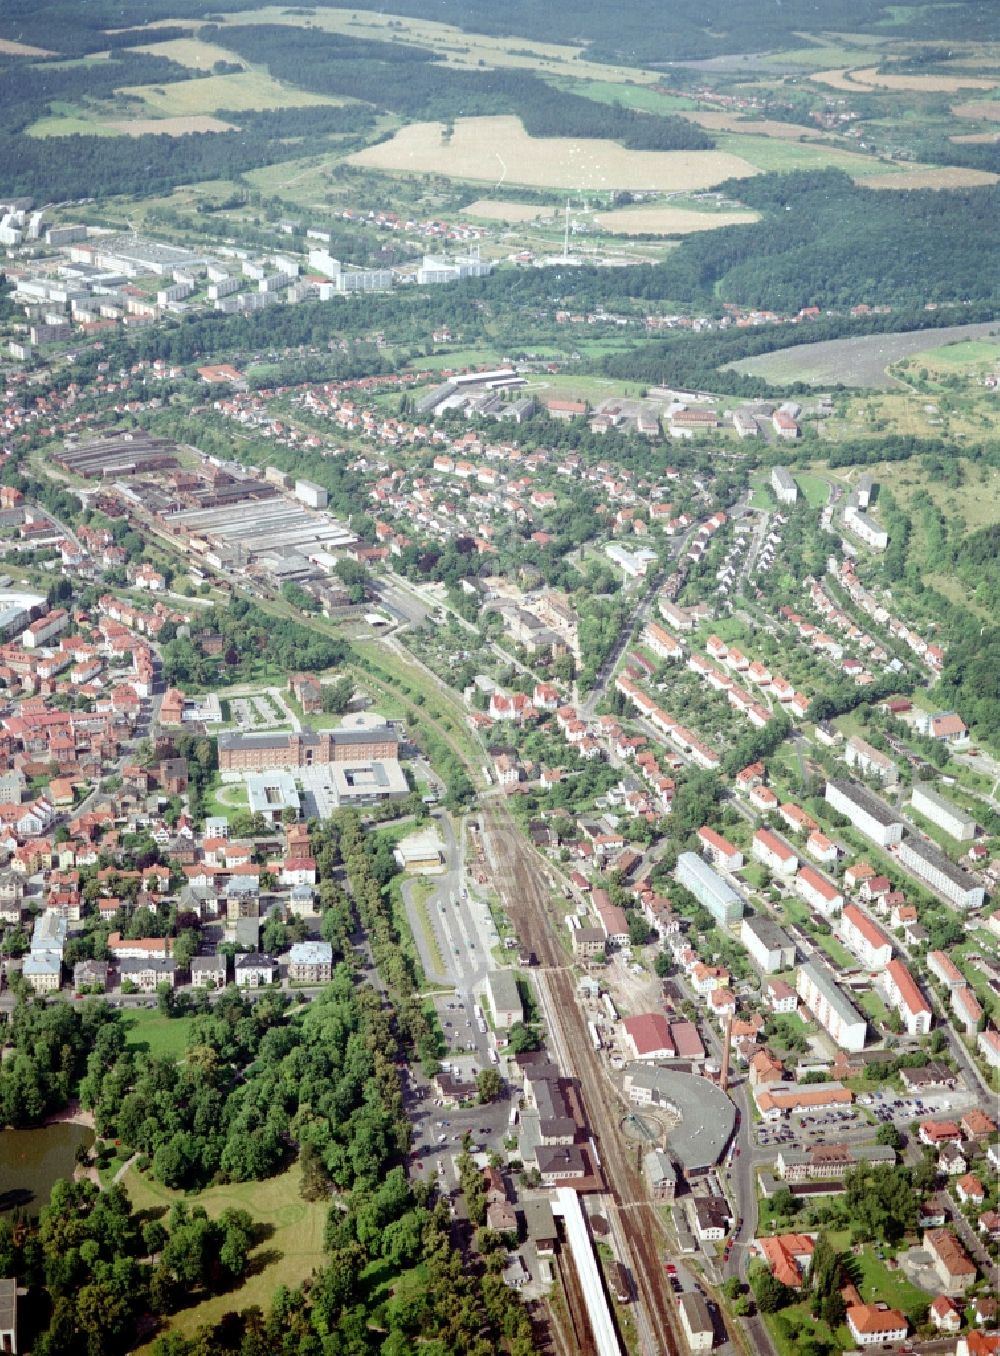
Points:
(520, 879)
(580, 1339)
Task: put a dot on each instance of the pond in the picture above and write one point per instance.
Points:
(32, 1160)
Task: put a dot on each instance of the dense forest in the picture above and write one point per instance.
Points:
(633, 33)
(821, 241)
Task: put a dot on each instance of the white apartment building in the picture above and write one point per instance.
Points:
(903, 993)
(771, 849)
(818, 892)
(869, 815)
(868, 942)
(869, 761)
(820, 992)
(930, 865)
(944, 813)
(768, 945)
(785, 489)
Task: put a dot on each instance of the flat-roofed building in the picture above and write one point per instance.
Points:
(930, 865)
(869, 815)
(782, 483)
(272, 794)
(823, 996)
(504, 998)
(708, 887)
(768, 944)
(942, 812)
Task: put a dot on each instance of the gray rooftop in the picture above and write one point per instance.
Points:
(938, 861)
(872, 805)
(832, 992)
(707, 1116)
(767, 931)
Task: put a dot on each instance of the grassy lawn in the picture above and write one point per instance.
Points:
(248, 90)
(871, 1003)
(814, 487)
(836, 951)
(292, 1250)
(879, 1283)
(157, 1033)
(223, 798)
(770, 154)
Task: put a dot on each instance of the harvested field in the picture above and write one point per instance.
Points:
(871, 78)
(920, 84)
(499, 149)
(235, 93)
(988, 111)
(714, 121)
(976, 139)
(200, 56)
(949, 176)
(11, 48)
(668, 221)
(171, 127)
(492, 209)
(860, 362)
(837, 79)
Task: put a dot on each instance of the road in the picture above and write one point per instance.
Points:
(521, 881)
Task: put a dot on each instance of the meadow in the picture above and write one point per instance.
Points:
(249, 90)
(854, 362)
(289, 1251)
(668, 220)
(499, 150)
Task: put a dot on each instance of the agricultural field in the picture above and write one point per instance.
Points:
(291, 1248)
(249, 90)
(854, 362)
(453, 45)
(988, 110)
(647, 98)
(668, 220)
(10, 48)
(771, 155)
(947, 176)
(498, 149)
(200, 56)
(715, 121)
(493, 209)
(857, 81)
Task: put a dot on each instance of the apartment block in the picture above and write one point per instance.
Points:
(822, 994)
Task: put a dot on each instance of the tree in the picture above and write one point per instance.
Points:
(489, 1085)
(889, 1135)
(639, 931)
(522, 1038)
(770, 1294)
